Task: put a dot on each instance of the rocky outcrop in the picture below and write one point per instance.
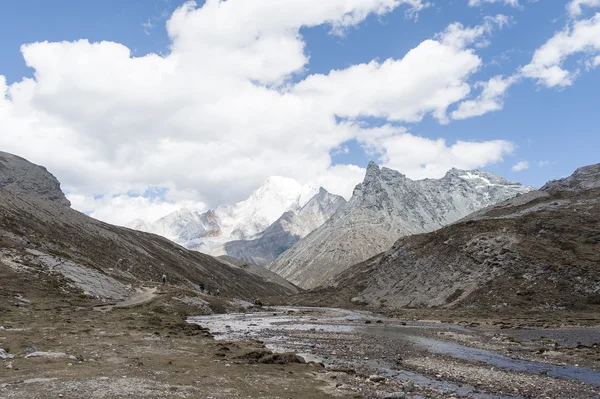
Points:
(584, 178)
(385, 206)
(20, 176)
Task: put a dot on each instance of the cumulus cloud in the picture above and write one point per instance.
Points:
(478, 3)
(575, 7)
(419, 157)
(581, 37)
(490, 99)
(519, 166)
(232, 104)
(121, 209)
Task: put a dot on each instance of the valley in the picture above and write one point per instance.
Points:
(498, 304)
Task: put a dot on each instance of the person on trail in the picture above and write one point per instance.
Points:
(164, 279)
(202, 288)
(217, 292)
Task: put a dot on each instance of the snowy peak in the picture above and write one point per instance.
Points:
(478, 177)
(246, 220)
(286, 230)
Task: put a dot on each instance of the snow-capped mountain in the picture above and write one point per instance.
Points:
(287, 230)
(248, 220)
(384, 207)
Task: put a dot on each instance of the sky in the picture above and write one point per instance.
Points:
(140, 108)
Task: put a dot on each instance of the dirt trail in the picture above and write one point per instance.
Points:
(143, 295)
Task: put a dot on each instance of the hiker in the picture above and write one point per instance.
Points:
(202, 288)
(164, 279)
(217, 292)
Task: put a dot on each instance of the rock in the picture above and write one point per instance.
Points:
(4, 355)
(359, 301)
(19, 177)
(376, 378)
(409, 386)
(49, 355)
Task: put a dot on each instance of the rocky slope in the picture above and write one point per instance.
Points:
(287, 230)
(42, 237)
(386, 206)
(540, 250)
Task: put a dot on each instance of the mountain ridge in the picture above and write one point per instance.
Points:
(249, 230)
(538, 250)
(41, 235)
(384, 207)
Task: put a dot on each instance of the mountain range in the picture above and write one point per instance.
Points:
(384, 207)
(258, 229)
(540, 250)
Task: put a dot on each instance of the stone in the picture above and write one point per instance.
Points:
(47, 355)
(4, 355)
(376, 378)
(409, 386)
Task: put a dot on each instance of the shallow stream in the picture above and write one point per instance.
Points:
(340, 337)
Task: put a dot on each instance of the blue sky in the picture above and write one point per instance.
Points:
(554, 129)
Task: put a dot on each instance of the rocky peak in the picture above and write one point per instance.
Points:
(21, 177)
(376, 178)
(585, 178)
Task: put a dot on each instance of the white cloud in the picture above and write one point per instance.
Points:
(478, 3)
(541, 164)
(580, 37)
(220, 113)
(490, 99)
(419, 157)
(122, 209)
(596, 61)
(340, 179)
(519, 166)
(575, 6)
(459, 36)
(429, 78)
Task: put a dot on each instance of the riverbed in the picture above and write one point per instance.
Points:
(442, 360)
